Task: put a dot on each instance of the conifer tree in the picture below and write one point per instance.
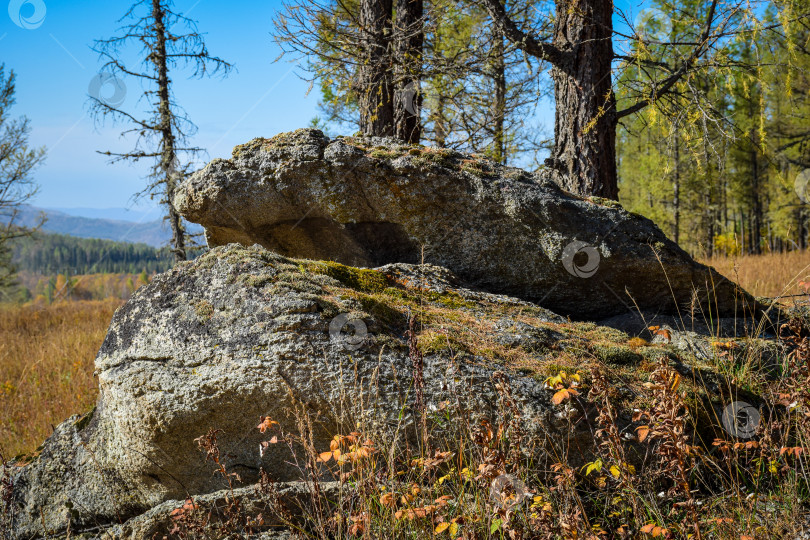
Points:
(667, 67)
(17, 164)
(167, 40)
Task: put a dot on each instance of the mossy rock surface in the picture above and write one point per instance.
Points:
(241, 333)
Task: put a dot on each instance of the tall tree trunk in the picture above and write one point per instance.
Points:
(168, 162)
(676, 189)
(709, 217)
(439, 121)
(498, 62)
(585, 122)
(375, 84)
(756, 230)
(410, 38)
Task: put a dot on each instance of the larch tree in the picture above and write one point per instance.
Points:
(789, 127)
(669, 65)
(375, 84)
(498, 99)
(17, 164)
(167, 40)
(456, 81)
(409, 40)
(366, 54)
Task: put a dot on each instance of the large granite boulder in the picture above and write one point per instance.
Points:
(369, 202)
(242, 333)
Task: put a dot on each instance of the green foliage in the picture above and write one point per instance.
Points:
(465, 63)
(57, 253)
(17, 164)
(714, 164)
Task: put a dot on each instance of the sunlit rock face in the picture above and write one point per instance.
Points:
(369, 202)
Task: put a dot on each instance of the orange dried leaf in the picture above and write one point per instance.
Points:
(560, 396)
(663, 332)
(642, 432)
(266, 424)
(387, 499)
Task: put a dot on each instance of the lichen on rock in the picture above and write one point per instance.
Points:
(242, 332)
(375, 201)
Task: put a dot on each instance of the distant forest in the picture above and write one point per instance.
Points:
(51, 254)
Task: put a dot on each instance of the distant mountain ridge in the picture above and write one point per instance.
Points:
(153, 233)
(137, 215)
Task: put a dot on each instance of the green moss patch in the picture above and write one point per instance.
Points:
(359, 279)
(82, 422)
(204, 310)
(385, 154)
(478, 168)
(435, 342)
(617, 354)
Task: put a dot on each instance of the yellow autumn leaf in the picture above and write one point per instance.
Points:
(676, 381)
(441, 527)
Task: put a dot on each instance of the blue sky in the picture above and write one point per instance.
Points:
(55, 66)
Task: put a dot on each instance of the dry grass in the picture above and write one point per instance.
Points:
(773, 274)
(46, 367)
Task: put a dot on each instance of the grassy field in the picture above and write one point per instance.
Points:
(46, 367)
(777, 274)
(47, 352)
